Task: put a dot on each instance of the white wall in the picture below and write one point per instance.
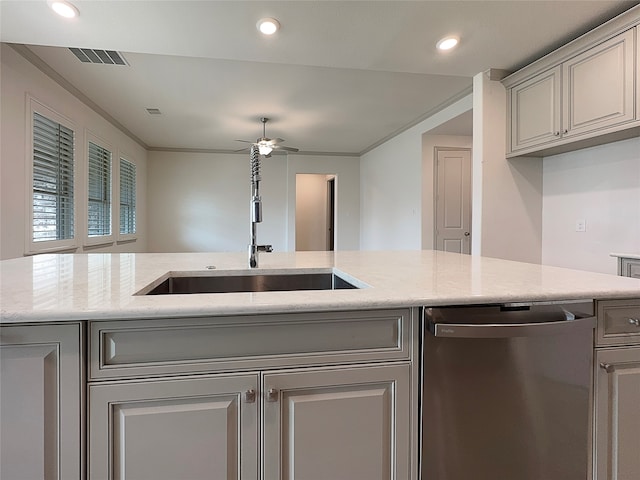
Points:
(429, 145)
(600, 185)
(200, 201)
(507, 194)
(18, 77)
(391, 186)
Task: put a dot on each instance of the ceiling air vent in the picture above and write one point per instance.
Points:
(102, 57)
(154, 111)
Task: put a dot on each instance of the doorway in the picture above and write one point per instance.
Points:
(453, 200)
(315, 212)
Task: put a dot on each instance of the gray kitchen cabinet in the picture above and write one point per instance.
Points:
(588, 93)
(535, 110)
(348, 423)
(40, 402)
(618, 322)
(598, 86)
(629, 267)
(178, 428)
(270, 397)
(617, 423)
(617, 391)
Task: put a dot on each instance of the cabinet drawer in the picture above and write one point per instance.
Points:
(629, 267)
(618, 322)
(137, 348)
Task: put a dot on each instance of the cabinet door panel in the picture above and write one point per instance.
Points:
(333, 424)
(599, 86)
(535, 110)
(193, 428)
(40, 402)
(617, 423)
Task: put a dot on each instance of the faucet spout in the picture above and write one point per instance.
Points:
(253, 253)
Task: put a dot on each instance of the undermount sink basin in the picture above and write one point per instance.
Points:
(230, 282)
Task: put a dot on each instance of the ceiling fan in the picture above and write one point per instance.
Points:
(267, 145)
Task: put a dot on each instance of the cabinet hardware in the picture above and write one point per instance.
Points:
(566, 130)
(607, 367)
(634, 321)
(272, 395)
(250, 396)
(556, 134)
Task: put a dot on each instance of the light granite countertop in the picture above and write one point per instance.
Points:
(103, 286)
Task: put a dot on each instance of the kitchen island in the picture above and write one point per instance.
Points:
(236, 385)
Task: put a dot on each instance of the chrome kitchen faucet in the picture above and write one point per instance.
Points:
(256, 208)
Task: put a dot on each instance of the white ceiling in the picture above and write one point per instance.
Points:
(340, 76)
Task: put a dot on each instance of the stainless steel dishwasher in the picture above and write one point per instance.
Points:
(506, 392)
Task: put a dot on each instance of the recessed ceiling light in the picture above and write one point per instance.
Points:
(447, 43)
(63, 8)
(268, 26)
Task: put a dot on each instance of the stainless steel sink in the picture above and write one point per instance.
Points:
(179, 284)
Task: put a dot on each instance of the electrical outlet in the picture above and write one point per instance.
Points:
(581, 225)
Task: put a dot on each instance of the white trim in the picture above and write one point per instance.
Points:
(35, 106)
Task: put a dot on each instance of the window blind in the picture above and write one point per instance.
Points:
(127, 197)
(99, 208)
(53, 162)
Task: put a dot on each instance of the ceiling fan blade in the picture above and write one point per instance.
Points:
(288, 149)
(275, 141)
(241, 150)
(244, 141)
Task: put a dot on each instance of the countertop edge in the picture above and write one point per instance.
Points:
(56, 316)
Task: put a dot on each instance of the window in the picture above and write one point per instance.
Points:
(127, 197)
(52, 181)
(99, 206)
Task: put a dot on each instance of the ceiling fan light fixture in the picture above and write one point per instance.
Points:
(268, 26)
(264, 149)
(63, 8)
(447, 43)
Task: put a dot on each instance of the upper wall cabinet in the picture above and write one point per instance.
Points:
(598, 87)
(535, 110)
(584, 94)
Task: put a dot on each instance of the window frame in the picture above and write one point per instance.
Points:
(126, 237)
(48, 246)
(97, 240)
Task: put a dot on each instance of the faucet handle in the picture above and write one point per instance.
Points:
(265, 248)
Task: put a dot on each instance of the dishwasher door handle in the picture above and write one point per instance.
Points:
(496, 330)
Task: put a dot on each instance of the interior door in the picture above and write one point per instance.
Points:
(453, 200)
